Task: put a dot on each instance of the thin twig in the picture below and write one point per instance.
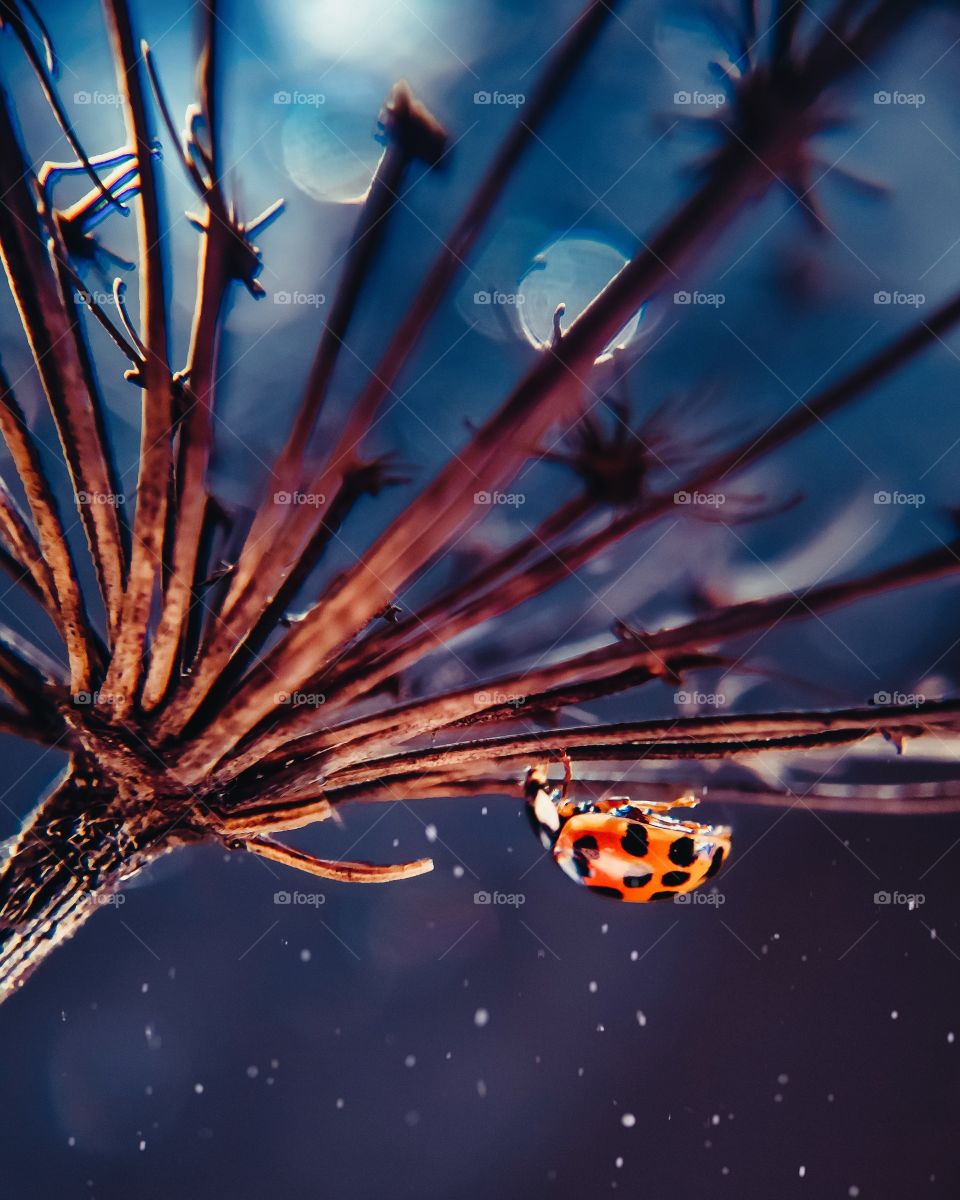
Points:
(156, 432)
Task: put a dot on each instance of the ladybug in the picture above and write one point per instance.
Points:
(625, 849)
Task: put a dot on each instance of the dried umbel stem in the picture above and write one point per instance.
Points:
(176, 727)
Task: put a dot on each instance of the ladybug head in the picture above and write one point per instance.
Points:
(542, 811)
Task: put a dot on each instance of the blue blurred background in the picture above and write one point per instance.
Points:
(794, 1039)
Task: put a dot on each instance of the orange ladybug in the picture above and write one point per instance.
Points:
(625, 849)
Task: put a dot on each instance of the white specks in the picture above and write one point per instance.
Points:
(783, 1079)
(592, 987)
(71, 1141)
(481, 1017)
(853, 1190)
(724, 1170)
(634, 955)
(431, 832)
(396, 843)
(628, 1120)
(802, 1172)
(148, 1090)
(274, 1063)
(950, 1038)
(484, 811)
(154, 1041)
(618, 1162)
(933, 934)
(305, 955)
(481, 1088)
(641, 1018)
(778, 1098)
(144, 988)
(340, 1102)
(458, 871)
(143, 1145)
(894, 1014)
(601, 1028)
(410, 1060)
(252, 1071)
(198, 1088)
(715, 1119)
(604, 927)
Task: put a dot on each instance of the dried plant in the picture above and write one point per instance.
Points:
(175, 705)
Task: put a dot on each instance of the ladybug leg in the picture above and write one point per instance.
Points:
(567, 776)
(687, 800)
(605, 804)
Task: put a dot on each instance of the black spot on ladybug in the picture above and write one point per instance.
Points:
(662, 896)
(674, 878)
(634, 841)
(683, 852)
(716, 863)
(636, 881)
(584, 849)
(613, 893)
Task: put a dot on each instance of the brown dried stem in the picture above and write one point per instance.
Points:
(624, 664)
(247, 586)
(123, 677)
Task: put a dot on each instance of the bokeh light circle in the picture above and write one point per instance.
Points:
(570, 271)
